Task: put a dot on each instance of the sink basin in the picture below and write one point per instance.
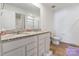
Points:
(25, 32)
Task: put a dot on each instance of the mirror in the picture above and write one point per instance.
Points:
(31, 23)
(28, 23)
(15, 17)
(7, 20)
(36, 24)
(20, 22)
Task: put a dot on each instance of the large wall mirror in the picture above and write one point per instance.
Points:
(15, 17)
(20, 22)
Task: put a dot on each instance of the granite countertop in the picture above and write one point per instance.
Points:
(23, 34)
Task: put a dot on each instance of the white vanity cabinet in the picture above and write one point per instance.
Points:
(34, 45)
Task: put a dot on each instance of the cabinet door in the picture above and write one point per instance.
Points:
(43, 44)
(16, 52)
(18, 42)
(41, 49)
(32, 46)
(32, 42)
(0, 49)
(47, 45)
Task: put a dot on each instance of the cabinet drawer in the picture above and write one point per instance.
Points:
(14, 44)
(46, 35)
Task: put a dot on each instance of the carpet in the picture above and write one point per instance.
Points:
(72, 51)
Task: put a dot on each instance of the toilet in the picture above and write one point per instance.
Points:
(56, 39)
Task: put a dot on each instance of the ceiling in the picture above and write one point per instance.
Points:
(27, 6)
(30, 7)
(59, 6)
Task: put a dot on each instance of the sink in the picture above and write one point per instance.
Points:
(25, 32)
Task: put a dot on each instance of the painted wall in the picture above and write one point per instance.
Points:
(66, 24)
(46, 15)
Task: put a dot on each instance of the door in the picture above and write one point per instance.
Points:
(31, 47)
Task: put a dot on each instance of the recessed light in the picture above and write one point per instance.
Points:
(53, 6)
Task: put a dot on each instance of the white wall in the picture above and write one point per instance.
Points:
(46, 15)
(67, 24)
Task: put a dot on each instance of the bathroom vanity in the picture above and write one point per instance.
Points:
(14, 20)
(25, 44)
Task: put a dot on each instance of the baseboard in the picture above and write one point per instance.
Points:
(70, 44)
